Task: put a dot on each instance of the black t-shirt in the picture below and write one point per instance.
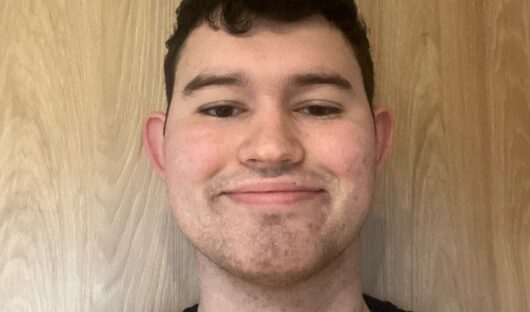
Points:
(373, 304)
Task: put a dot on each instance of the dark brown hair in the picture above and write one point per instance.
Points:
(236, 17)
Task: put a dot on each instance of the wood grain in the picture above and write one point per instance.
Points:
(450, 230)
(83, 219)
(83, 222)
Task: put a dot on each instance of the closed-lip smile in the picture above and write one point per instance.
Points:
(273, 193)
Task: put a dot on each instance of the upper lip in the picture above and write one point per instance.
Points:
(283, 186)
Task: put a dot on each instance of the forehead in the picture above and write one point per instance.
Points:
(269, 49)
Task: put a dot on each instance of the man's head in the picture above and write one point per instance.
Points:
(271, 146)
(237, 17)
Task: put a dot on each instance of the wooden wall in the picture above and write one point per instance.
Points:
(451, 227)
(83, 219)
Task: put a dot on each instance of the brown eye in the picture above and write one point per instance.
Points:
(321, 111)
(220, 111)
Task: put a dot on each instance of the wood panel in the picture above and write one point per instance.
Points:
(83, 219)
(450, 227)
(83, 222)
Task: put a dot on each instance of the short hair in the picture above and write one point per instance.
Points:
(236, 17)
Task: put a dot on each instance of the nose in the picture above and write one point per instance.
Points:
(271, 142)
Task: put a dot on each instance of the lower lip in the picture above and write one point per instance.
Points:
(274, 198)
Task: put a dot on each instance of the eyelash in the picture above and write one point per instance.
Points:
(334, 110)
(216, 107)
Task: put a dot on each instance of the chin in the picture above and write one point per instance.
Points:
(275, 272)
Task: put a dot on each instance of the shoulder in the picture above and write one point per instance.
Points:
(376, 305)
(194, 308)
(373, 304)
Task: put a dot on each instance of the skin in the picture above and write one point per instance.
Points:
(299, 257)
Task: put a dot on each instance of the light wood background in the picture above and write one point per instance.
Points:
(83, 219)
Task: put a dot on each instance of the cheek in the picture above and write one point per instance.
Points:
(347, 150)
(194, 154)
(349, 156)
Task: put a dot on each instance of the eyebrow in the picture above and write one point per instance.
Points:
(325, 78)
(240, 80)
(206, 80)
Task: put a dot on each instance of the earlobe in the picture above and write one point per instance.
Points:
(384, 123)
(153, 138)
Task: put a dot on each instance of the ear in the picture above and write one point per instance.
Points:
(384, 124)
(154, 142)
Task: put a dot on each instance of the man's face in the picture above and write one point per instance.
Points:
(280, 108)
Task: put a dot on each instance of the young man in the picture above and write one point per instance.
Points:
(269, 149)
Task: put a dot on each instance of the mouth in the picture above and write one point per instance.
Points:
(277, 192)
(288, 197)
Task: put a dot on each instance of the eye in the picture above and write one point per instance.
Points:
(321, 110)
(221, 111)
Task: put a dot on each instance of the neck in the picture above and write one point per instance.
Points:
(335, 288)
